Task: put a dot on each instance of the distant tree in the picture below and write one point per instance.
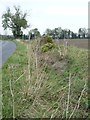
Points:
(69, 33)
(73, 35)
(15, 21)
(55, 33)
(34, 33)
(48, 32)
(59, 33)
(82, 32)
(62, 34)
(66, 33)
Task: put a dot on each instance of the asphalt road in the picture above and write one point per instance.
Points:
(6, 50)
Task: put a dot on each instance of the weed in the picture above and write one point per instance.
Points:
(39, 91)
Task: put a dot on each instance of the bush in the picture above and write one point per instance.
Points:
(47, 46)
(45, 40)
(48, 39)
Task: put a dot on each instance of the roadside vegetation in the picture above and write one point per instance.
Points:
(39, 81)
(11, 71)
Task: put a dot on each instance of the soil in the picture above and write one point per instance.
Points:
(80, 43)
(53, 61)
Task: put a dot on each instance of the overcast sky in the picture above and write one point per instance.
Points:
(71, 14)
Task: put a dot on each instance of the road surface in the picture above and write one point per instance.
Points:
(6, 50)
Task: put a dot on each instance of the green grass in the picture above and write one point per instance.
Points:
(13, 68)
(45, 93)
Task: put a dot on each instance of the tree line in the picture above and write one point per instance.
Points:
(59, 33)
(17, 22)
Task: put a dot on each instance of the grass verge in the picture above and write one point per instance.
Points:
(11, 71)
(36, 85)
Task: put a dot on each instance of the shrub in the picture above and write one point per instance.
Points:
(47, 46)
(48, 39)
(45, 40)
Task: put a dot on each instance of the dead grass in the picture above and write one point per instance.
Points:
(45, 88)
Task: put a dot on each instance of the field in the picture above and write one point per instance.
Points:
(80, 43)
(50, 84)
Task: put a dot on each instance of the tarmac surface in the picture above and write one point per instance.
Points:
(6, 50)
